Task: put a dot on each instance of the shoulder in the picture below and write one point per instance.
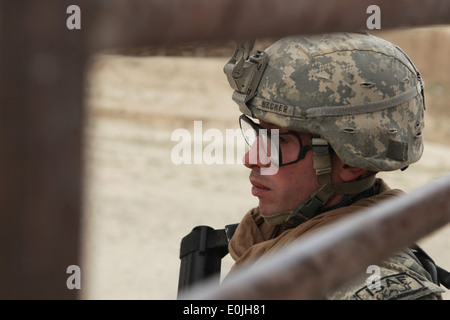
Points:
(401, 277)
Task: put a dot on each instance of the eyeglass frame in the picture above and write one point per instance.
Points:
(301, 153)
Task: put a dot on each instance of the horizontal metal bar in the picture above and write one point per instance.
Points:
(123, 23)
(317, 264)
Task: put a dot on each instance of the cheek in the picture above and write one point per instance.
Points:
(300, 178)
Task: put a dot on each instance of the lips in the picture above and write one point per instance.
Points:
(258, 189)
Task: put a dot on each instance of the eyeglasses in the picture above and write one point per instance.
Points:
(281, 148)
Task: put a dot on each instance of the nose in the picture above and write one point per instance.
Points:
(256, 157)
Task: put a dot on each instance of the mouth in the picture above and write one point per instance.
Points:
(258, 189)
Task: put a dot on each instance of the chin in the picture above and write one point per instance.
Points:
(266, 211)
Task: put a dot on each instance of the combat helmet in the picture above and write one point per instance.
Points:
(355, 92)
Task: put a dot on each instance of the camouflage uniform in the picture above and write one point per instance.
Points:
(402, 277)
(356, 94)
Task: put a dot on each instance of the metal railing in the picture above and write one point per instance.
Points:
(42, 72)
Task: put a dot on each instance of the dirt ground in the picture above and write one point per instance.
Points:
(139, 205)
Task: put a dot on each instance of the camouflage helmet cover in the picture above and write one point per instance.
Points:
(360, 93)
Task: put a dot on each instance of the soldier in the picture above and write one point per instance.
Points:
(328, 112)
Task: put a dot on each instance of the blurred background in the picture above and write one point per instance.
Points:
(138, 205)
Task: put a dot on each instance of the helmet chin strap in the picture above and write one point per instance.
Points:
(310, 207)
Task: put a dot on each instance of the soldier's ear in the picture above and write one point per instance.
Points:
(349, 173)
(343, 172)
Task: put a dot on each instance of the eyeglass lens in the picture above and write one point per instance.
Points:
(281, 148)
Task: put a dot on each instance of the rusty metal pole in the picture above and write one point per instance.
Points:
(319, 263)
(123, 23)
(41, 128)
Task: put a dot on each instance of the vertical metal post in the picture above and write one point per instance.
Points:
(41, 127)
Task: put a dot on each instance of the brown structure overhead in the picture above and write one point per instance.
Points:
(122, 23)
